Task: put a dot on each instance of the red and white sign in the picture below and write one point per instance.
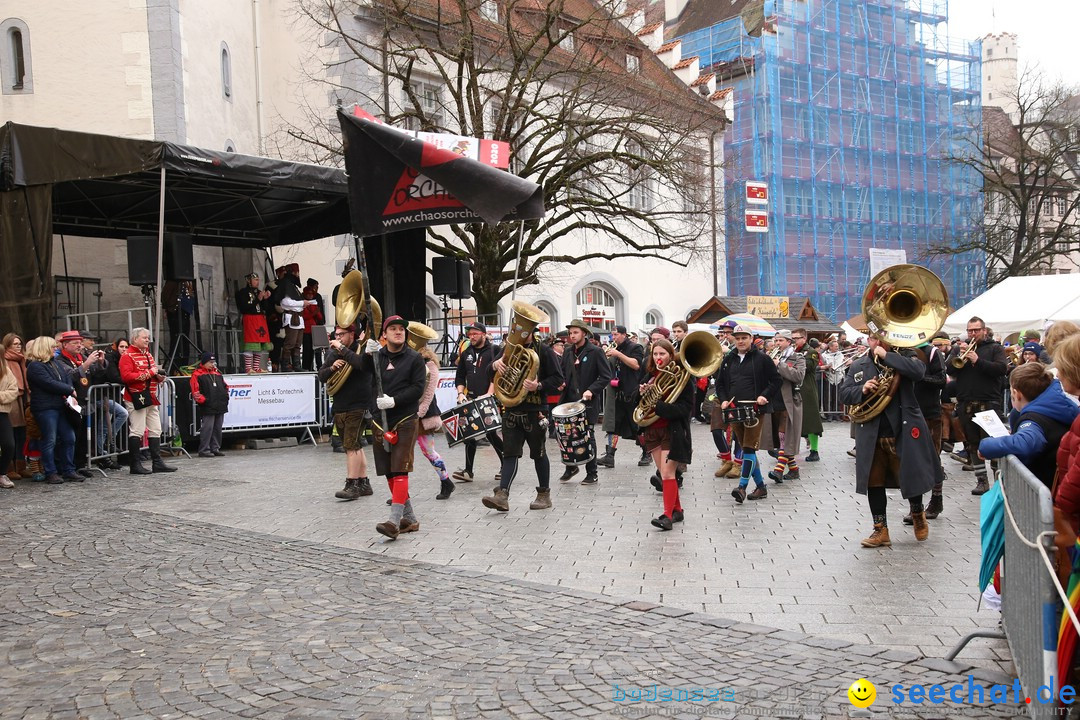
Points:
(495, 153)
(757, 221)
(757, 192)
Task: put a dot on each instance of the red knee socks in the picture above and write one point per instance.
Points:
(671, 496)
(399, 488)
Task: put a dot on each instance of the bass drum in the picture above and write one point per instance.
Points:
(471, 420)
(572, 433)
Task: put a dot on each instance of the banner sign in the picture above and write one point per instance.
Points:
(446, 391)
(881, 258)
(270, 399)
(768, 307)
(757, 221)
(398, 182)
(757, 192)
(495, 153)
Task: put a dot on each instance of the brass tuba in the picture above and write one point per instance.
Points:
(522, 363)
(700, 354)
(419, 335)
(348, 308)
(904, 305)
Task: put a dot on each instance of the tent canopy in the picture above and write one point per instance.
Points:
(65, 182)
(106, 186)
(1022, 303)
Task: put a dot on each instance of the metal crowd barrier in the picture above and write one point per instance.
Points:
(106, 423)
(1030, 607)
(323, 417)
(829, 398)
(170, 430)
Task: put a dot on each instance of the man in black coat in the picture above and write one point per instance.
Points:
(980, 386)
(894, 448)
(475, 371)
(585, 374)
(527, 422)
(627, 361)
(748, 377)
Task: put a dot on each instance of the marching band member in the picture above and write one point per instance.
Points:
(792, 368)
(404, 377)
(928, 392)
(668, 438)
(747, 376)
(585, 375)
(812, 428)
(627, 360)
(527, 422)
(473, 379)
(428, 412)
(893, 449)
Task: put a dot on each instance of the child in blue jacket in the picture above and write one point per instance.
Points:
(1041, 416)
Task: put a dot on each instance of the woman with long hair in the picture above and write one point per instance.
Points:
(16, 363)
(431, 423)
(667, 439)
(50, 385)
(9, 395)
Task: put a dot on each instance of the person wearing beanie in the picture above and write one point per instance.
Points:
(211, 394)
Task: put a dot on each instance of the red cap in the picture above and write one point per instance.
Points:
(71, 335)
(394, 320)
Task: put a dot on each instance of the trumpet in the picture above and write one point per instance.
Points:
(853, 353)
(960, 359)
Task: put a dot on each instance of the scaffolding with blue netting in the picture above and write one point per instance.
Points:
(853, 112)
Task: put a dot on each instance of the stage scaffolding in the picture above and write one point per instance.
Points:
(850, 110)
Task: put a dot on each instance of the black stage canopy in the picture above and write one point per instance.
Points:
(66, 182)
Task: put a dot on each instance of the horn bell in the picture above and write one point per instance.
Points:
(419, 335)
(905, 305)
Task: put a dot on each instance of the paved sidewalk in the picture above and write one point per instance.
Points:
(114, 613)
(792, 561)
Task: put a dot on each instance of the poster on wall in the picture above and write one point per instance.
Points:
(271, 399)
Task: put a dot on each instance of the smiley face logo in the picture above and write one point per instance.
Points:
(862, 693)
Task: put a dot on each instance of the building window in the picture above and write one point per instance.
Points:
(990, 52)
(15, 66)
(490, 10)
(546, 328)
(230, 146)
(653, 319)
(633, 63)
(596, 307)
(427, 110)
(226, 72)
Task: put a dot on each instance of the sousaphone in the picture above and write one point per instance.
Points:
(348, 309)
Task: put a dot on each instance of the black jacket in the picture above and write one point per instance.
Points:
(404, 378)
(982, 381)
(80, 378)
(356, 393)
(248, 303)
(928, 390)
(210, 384)
(585, 369)
(629, 379)
(755, 370)
(678, 416)
(474, 369)
(112, 367)
(48, 383)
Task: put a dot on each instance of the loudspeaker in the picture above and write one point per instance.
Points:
(397, 271)
(142, 260)
(464, 281)
(179, 259)
(444, 276)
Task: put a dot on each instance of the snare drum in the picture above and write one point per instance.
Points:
(471, 420)
(572, 432)
(745, 413)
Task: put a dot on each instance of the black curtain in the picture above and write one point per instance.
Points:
(398, 272)
(26, 295)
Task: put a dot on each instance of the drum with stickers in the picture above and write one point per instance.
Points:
(572, 432)
(745, 412)
(471, 420)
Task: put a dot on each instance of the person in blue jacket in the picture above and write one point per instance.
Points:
(1041, 416)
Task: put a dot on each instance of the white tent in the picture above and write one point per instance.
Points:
(1022, 303)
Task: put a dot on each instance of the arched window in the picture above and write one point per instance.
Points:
(596, 305)
(226, 72)
(15, 66)
(230, 146)
(552, 325)
(653, 319)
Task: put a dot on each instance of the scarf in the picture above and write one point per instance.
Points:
(17, 359)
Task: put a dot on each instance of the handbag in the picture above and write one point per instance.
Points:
(142, 398)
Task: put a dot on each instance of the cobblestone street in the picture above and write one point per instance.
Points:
(239, 587)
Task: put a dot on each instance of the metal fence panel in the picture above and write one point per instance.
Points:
(106, 423)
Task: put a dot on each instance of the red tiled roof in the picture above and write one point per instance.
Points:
(649, 29)
(685, 63)
(668, 46)
(702, 80)
(720, 94)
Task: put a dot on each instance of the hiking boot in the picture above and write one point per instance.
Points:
(655, 482)
(408, 526)
(73, 477)
(351, 491)
(218, 453)
(445, 488)
(676, 516)
(663, 522)
(793, 474)
(54, 479)
(922, 530)
(499, 501)
(739, 493)
(813, 456)
(934, 508)
(878, 538)
(608, 460)
(777, 475)
(569, 472)
(462, 475)
(388, 529)
(590, 480)
(542, 501)
(759, 493)
(981, 487)
(774, 453)
(206, 454)
(644, 460)
(364, 487)
(725, 468)
(735, 472)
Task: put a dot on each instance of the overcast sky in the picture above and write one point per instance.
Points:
(1047, 30)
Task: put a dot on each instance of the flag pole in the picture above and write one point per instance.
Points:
(517, 261)
(361, 260)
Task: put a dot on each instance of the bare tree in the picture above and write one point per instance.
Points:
(1028, 166)
(619, 144)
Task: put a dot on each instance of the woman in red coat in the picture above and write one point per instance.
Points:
(1067, 492)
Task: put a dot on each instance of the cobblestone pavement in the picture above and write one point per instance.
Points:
(240, 588)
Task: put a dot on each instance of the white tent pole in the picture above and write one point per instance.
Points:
(517, 261)
(154, 331)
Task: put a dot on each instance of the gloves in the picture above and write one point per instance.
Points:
(384, 402)
(371, 347)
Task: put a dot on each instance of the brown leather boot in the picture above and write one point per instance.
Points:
(922, 530)
(542, 501)
(880, 536)
(499, 501)
(934, 508)
(725, 468)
